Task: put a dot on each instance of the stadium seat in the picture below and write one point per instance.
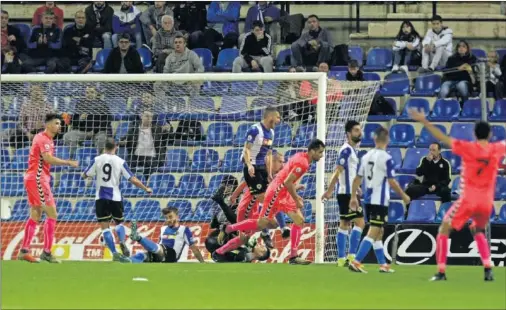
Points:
(257, 108)
(121, 131)
(203, 108)
(240, 136)
(118, 107)
(100, 59)
(369, 130)
(85, 156)
(176, 160)
(335, 134)
(422, 211)
(20, 211)
(189, 186)
(403, 181)
(395, 213)
(127, 210)
(426, 139)
(64, 208)
(501, 217)
(5, 160)
(500, 188)
(20, 160)
(184, 208)
(283, 60)
(206, 57)
(270, 88)
(462, 131)
(309, 191)
(232, 161)
(387, 117)
(338, 75)
(215, 88)
(25, 31)
(219, 134)
(84, 211)
(11, 184)
(130, 190)
(162, 184)
(455, 161)
(305, 133)
(356, 52)
(498, 113)
(148, 210)
(456, 188)
(402, 135)
(204, 211)
(245, 88)
(395, 84)
(8, 126)
(371, 76)
(205, 160)
(427, 86)
(71, 184)
(443, 208)
(396, 156)
(214, 184)
(233, 108)
(479, 53)
(471, 111)
(62, 152)
(282, 135)
(378, 59)
(418, 103)
(226, 59)
(412, 159)
(146, 58)
(498, 133)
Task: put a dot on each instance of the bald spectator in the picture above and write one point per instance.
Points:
(314, 46)
(77, 43)
(163, 43)
(126, 20)
(49, 6)
(124, 58)
(99, 17)
(151, 19)
(256, 51)
(11, 36)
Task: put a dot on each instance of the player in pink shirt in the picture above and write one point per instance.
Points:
(281, 196)
(37, 183)
(480, 163)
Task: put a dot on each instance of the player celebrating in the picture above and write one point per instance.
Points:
(109, 168)
(173, 239)
(347, 164)
(257, 151)
(377, 167)
(480, 163)
(37, 183)
(281, 196)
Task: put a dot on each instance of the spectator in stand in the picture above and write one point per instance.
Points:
(494, 84)
(151, 19)
(11, 36)
(11, 61)
(163, 43)
(405, 46)
(354, 73)
(124, 59)
(459, 75)
(256, 51)
(86, 126)
(99, 17)
(47, 51)
(38, 16)
(127, 20)
(437, 45)
(182, 60)
(263, 11)
(78, 43)
(223, 23)
(436, 176)
(191, 20)
(313, 47)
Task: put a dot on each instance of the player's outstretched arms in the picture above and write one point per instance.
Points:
(55, 161)
(139, 184)
(419, 116)
(290, 187)
(354, 189)
(332, 185)
(197, 253)
(397, 188)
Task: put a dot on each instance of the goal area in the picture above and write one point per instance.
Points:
(181, 135)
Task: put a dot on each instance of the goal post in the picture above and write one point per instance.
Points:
(193, 162)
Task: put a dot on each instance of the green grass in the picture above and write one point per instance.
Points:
(74, 285)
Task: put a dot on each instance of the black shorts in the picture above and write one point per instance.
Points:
(168, 256)
(107, 209)
(345, 213)
(377, 215)
(257, 184)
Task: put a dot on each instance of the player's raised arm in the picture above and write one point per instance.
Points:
(419, 116)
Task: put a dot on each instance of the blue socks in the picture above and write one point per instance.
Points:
(280, 218)
(378, 251)
(342, 238)
(149, 245)
(139, 257)
(356, 234)
(364, 248)
(109, 240)
(120, 231)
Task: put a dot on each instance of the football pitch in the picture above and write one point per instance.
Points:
(92, 285)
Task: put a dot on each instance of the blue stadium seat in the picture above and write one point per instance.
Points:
(5, 160)
(162, 184)
(118, 107)
(190, 186)
(418, 103)
(130, 190)
(335, 133)
(384, 118)
(11, 184)
(204, 211)
(282, 135)
(85, 156)
(20, 211)
(479, 53)
(402, 135)
(371, 76)
(425, 139)
(100, 59)
(20, 160)
(445, 110)
(403, 181)
(146, 58)
(309, 191)
(206, 57)
(498, 133)
(62, 152)
(396, 156)
(331, 157)
(378, 59)
(176, 160)
(148, 210)
(462, 131)
(84, 211)
(184, 208)
(240, 136)
(455, 161)
(226, 59)
(443, 208)
(232, 108)
(427, 85)
(205, 160)
(245, 88)
(338, 75)
(500, 188)
(412, 160)
(214, 184)
(356, 52)
(422, 211)
(25, 31)
(501, 217)
(232, 161)
(121, 131)
(270, 88)
(498, 113)
(305, 133)
(257, 108)
(127, 210)
(471, 111)
(395, 213)
(219, 134)
(215, 88)
(395, 84)
(71, 184)
(64, 208)
(456, 188)
(203, 107)
(8, 125)
(283, 60)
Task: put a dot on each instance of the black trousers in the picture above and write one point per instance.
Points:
(415, 191)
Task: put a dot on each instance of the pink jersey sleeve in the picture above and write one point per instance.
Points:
(42, 144)
(459, 147)
(300, 167)
(500, 149)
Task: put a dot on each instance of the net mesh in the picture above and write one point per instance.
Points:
(179, 138)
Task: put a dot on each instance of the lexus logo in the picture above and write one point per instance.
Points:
(423, 241)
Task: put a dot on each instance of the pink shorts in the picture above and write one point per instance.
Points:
(243, 212)
(464, 209)
(277, 199)
(39, 193)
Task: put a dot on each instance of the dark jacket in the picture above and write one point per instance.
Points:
(252, 47)
(456, 60)
(359, 77)
(71, 48)
(259, 12)
(49, 49)
(103, 21)
(20, 43)
(191, 17)
(160, 137)
(438, 174)
(13, 67)
(93, 122)
(133, 63)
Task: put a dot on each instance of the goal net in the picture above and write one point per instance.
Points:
(181, 135)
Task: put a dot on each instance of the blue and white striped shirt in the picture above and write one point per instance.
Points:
(376, 167)
(176, 238)
(261, 139)
(348, 159)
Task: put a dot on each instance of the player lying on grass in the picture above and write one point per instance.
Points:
(480, 164)
(108, 169)
(281, 196)
(345, 172)
(38, 189)
(377, 167)
(173, 239)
